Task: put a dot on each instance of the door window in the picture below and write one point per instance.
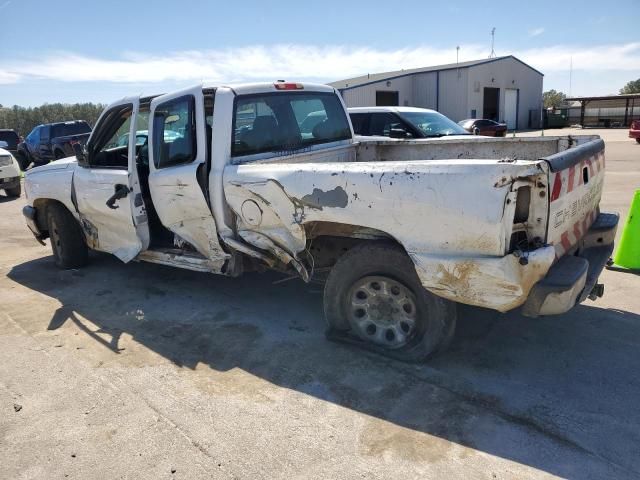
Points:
(174, 132)
(44, 134)
(359, 122)
(382, 123)
(107, 150)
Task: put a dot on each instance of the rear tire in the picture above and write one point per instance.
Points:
(476, 131)
(638, 140)
(373, 297)
(14, 192)
(67, 241)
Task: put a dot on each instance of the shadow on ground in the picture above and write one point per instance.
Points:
(559, 394)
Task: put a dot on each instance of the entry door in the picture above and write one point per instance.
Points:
(387, 99)
(511, 108)
(178, 176)
(106, 188)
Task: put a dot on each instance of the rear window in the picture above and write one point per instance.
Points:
(66, 129)
(11, 138)
(286, 122)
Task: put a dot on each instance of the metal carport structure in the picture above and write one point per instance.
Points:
(609, 101)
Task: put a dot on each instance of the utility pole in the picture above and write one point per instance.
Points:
(570, 74)
(493, 37)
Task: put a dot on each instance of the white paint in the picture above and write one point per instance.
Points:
(448, 202)
(11, 169)
(511, 107)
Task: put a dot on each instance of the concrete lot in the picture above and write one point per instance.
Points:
(142, 371)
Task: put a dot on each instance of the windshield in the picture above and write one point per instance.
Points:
(433, 124)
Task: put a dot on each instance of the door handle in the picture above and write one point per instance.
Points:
(121, 191)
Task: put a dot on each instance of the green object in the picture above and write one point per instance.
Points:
(628, 252)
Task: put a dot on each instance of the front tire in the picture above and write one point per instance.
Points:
(15, 191)
(67, 241)
(476, 131)
(22, 160)
(638, 140)
(373, 297)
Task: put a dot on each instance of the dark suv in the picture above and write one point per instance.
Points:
(52, 141)
(12, 139)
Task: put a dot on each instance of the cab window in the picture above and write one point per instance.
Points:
(287, 122)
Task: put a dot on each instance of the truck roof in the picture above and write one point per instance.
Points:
(389, 109)
(266, 87)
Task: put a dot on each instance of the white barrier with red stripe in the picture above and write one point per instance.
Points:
(574, 203)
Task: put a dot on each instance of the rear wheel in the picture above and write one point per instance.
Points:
(373, 297)
(59, 154)
(638, 140)
(15, 191)
(67, 242)
(476, 131)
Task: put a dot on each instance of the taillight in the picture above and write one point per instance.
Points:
(288, 86)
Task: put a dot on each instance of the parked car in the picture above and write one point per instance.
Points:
(12, 140)
(404, 230)
(52, 141)
(634, 130)
(487, 128)
(402, 122)
(9, 172)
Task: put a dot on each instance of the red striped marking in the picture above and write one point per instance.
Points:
(557, 187)
(572, 175)
(566, 243)
(576, 231)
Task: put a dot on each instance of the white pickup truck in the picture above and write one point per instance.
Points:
(230, 179)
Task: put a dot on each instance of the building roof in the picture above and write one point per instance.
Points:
(605, 101)
(379, 77)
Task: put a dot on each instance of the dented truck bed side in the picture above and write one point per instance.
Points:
(454, 218)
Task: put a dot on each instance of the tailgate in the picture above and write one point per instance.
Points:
(576, 177)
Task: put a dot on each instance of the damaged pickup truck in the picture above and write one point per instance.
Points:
(231, 179)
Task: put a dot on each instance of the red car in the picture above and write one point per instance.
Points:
(634, 130)
(480, 126)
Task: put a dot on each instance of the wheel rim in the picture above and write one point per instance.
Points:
(382, 311)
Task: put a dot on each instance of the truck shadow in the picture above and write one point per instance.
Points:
(557, 394)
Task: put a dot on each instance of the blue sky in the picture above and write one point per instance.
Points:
(79, 50)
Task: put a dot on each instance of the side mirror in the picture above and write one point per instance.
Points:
(3, 144)
(81, 154)
(399, 133)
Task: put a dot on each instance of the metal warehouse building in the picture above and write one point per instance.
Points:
(504, 89)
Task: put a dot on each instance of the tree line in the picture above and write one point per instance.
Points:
(23, 119)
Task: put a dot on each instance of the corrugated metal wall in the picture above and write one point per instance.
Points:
(425, 88)
(461, 91)
(365, 96)
(454, 94)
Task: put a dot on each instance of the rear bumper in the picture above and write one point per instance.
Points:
(572, 279)
(634, 133)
